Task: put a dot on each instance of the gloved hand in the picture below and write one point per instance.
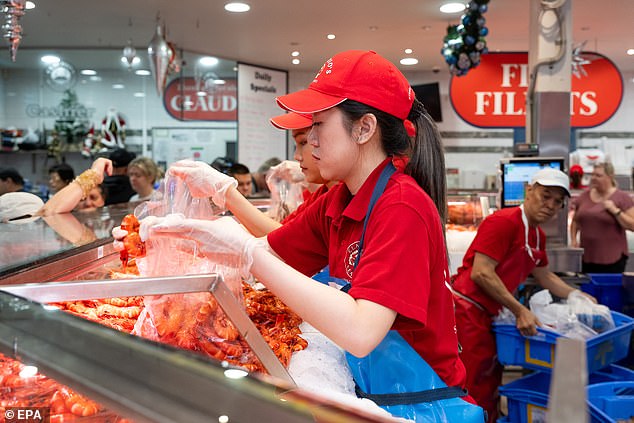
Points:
(221, 239)
(288, 170)
(118, 234)
(203, 180)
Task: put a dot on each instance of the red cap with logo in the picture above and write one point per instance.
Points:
(358, 75)
(292, 121)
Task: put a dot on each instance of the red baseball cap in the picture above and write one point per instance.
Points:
(358, 75)
(292, 120)
(576, 169)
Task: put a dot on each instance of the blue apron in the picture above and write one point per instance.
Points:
(397, 378)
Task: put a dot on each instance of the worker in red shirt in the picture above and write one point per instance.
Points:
(380, 230)
(508, 247)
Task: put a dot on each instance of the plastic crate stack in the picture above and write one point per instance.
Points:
(610, 387)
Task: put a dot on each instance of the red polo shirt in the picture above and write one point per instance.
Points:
(403, 262)
(499, 236)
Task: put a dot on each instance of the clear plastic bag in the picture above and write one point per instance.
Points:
(285, 198)
(595, 316)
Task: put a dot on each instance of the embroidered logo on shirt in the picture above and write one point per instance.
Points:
(351, 255)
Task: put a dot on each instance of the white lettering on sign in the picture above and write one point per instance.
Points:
(204, 103)
(510, 72)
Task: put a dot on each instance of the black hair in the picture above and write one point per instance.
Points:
(238, 169)
(65, 172)
(11, 173)
(426, 156)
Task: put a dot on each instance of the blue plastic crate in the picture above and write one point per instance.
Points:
(527, 397)
(538, 352)
(607, 288)
(611, 401)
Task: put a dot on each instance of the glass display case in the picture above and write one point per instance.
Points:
(132, 377)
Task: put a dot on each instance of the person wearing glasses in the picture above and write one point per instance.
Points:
(602, 214)
(508, 247)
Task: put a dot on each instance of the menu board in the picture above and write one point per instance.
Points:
(258, 140)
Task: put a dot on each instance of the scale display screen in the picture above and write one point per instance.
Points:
(517, 173)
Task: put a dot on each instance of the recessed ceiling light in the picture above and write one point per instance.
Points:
(408, 51)
(452, 7)
(295, 61)
(95, 78)
(118, 86)
(50, 59)
(295, 53)
(208, 61)
(219, 81)
(88, 72)
(223, 419)
(237, 7)
(331, 36)
(142, 72)
(630, 51)
(29, 5)
(409, 61)
(139, 94)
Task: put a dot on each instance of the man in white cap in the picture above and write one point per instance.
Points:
(19, 207)
(508, 247)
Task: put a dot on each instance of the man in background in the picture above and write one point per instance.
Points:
(118, 184)
(242, 174)
(260, 188)
(10, 180)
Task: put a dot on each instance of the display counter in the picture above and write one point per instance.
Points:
(135, 378)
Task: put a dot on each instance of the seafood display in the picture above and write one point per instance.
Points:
(190, 321)
(18, 388)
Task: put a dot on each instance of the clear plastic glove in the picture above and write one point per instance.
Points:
(118, 234)
(203, 180)
(221, 239)
(288, 170)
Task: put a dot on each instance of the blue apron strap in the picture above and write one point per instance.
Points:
(385, 176)
(428, 395)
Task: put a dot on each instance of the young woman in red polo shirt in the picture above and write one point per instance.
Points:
(381, 231)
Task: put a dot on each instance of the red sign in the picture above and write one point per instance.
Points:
(493, 95)
(183, 102)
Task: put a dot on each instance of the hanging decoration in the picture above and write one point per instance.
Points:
(578, 61)
(466, 42)
(129, 54)
(160, 55)
(13, 10)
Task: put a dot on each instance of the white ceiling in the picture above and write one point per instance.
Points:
(273, 28)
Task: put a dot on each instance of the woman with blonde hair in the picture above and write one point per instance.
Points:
(602, 214)
(143, 173)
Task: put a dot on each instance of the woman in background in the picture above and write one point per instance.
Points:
(143, 173)
(602, 214)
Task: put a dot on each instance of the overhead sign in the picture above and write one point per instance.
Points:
(183, 100)
(493, 95)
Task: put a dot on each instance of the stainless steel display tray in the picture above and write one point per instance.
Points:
(118, 369)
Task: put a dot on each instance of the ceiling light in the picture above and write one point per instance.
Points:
(295, 61)
(237, 7)
(135, 60)
(223, 419)
(139, 94)
(208, 61)
(50, 59)
(95, 78)
(142, 72)
(118, 86)
(630, 51)
(408, 51)
(409, 61)
(331, 36)
(219, 81)
(29, 5)
(295, 53)
(452, 7)
(88, 72)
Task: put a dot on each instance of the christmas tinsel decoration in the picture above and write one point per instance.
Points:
(466, 42)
